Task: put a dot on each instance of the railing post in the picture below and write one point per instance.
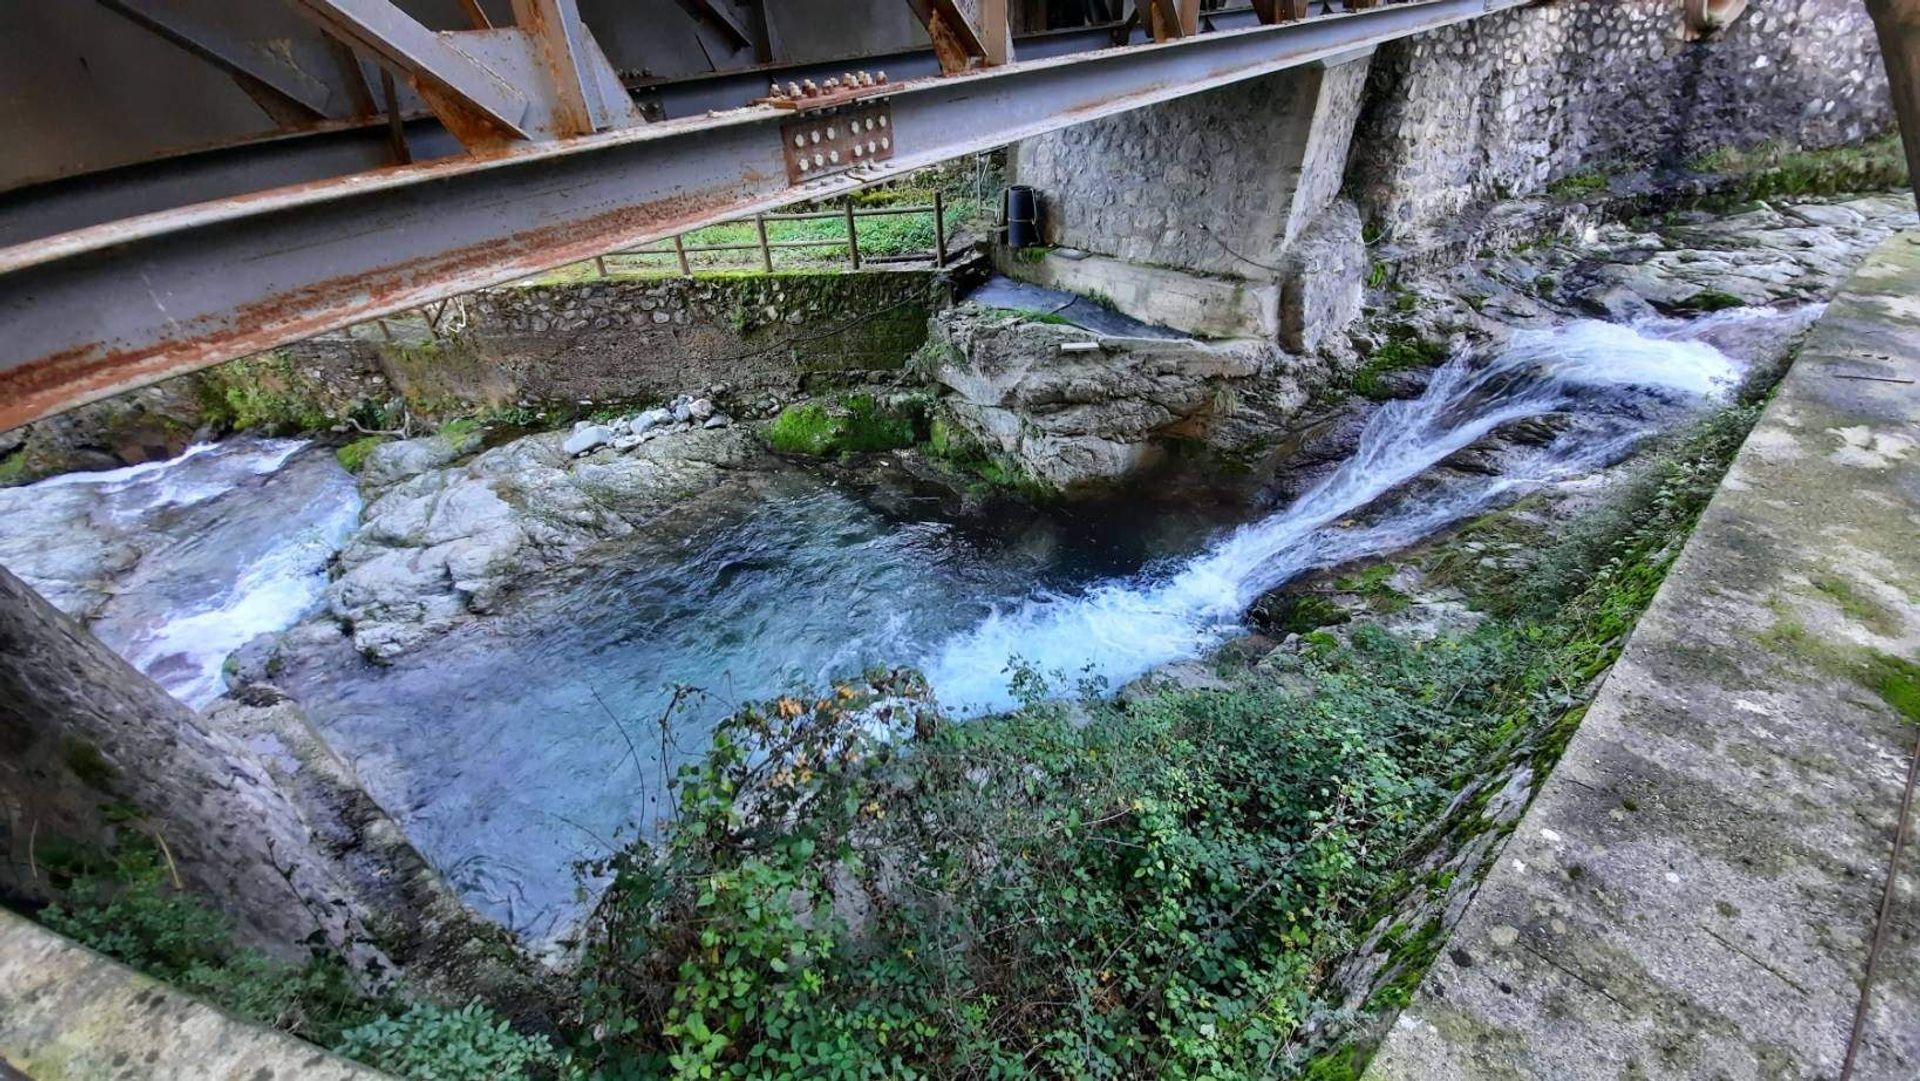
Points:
(766, 253)
(939, 229)
(680, 249)
(600, 264)
(853, 237)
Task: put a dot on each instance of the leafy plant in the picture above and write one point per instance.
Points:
(435, 1043)
(130, 910)
(128, 907)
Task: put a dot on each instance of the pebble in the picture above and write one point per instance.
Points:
(718, 420)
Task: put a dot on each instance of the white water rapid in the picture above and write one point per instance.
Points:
(1121, 629)
(176, 564)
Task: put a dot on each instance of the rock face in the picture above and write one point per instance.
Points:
(391, 463)
(81, 728)
(443, 544)
(1071, 415)
(1766, 256)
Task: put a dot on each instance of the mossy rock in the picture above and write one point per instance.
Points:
(856, 424)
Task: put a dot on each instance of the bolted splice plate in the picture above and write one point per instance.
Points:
(822, 142)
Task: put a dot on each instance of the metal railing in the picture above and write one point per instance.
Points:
(849, 238)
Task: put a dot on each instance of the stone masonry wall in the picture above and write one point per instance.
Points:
(548, 345)
(654, 338)
(1148, 185)
(640, 339)
(1505, 105)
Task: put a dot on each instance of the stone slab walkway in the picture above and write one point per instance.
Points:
(1693, 892)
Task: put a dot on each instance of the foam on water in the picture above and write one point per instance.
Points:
(228, 549)
(1120, 629)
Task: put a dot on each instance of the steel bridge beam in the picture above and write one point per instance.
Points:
(109, 308)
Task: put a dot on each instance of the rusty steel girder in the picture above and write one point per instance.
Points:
(105, 309)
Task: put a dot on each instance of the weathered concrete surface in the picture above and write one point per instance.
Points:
(1200, 304)
(69, 1014)
(1693, 891)
(1215, 183)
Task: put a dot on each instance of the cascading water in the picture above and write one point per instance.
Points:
(1122, 629)
(177, 564)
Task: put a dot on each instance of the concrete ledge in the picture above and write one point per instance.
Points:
(1693, 891)
(69, 1014)
(1206, 306)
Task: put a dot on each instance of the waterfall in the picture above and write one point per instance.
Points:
(1121, 629)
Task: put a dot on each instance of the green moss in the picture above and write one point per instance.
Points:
(353, 456)
(1857, 605)
(13, 469)
(1709, 300)
(85, 761)
(859, 424)
(1401, 352)
(1578, 185)
(1898, 683)
(460, 429)
(1039, 315)
(1304, 613)
(804, 429)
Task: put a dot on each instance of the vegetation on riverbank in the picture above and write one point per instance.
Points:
(1155, 886)
(126, 905)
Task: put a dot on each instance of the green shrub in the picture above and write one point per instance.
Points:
(129, 910)
(128, 907)
(262, 393)
(434, 1043)
(1144, 890)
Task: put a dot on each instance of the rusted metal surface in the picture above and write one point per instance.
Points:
(438, 71)
(837, 139)
(108, 308)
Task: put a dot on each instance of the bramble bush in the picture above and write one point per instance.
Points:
(1090, 890)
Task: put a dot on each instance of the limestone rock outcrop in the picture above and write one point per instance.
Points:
(1074, 409)
(445, 543)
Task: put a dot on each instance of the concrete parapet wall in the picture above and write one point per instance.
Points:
(69, 1014)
